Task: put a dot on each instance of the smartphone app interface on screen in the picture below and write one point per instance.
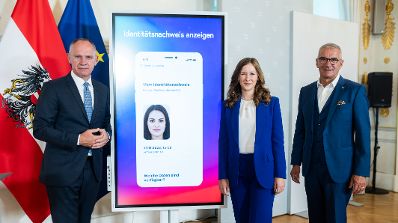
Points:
(169, 118)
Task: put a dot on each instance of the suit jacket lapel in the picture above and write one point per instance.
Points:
(96, 98)
(339, 89)
(76, 95)
(235, 122)
(308, 109)
(260, 120)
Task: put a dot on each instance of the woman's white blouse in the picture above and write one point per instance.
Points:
(247, 126)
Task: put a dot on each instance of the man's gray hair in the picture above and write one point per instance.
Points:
(330, 45)
(82, 39)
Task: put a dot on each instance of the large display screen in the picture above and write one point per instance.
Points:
(167, 93)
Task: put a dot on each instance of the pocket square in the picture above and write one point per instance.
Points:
(340, 102)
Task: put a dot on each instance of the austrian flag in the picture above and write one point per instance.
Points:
(31, 53)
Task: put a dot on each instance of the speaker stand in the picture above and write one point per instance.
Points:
(373, 189)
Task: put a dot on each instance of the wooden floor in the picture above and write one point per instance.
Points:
(375, 209)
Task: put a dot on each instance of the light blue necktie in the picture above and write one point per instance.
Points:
(88, 103)
(88, 106)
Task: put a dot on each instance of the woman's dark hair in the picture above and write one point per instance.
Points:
(261, 93)
(147, 134)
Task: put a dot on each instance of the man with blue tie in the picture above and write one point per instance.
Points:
(73, 118)
(332, 139)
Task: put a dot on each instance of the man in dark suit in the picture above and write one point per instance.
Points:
(331, 140)
(73, 118)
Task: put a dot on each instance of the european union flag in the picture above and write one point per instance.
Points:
(78, 21)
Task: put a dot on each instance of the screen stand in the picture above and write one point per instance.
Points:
(169, 216)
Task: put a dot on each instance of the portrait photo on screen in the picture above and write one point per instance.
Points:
(156, 123)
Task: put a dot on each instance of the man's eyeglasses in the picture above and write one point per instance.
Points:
(324, 60)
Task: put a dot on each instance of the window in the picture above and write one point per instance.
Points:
(337, 9)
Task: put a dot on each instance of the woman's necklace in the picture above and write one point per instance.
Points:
(248, 98)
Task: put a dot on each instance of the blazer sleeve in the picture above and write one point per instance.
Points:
(222, 146)
(278, 142)
(362, 134)
(299, 134)
(46, 117)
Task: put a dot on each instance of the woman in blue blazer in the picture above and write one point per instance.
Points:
(252, 165)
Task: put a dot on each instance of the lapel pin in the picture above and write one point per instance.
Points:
(340, 102)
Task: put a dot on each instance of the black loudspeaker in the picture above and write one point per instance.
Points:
(380, 89)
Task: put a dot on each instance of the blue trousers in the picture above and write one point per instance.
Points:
(327, 200)
(251, 202)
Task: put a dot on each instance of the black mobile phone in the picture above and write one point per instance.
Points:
(97, 133)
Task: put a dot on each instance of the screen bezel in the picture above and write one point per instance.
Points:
(134, 207)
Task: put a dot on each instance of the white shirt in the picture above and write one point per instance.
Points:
(247, 126)
(325, 92)
(79, 84)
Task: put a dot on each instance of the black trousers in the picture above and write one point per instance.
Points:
(75, 203)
